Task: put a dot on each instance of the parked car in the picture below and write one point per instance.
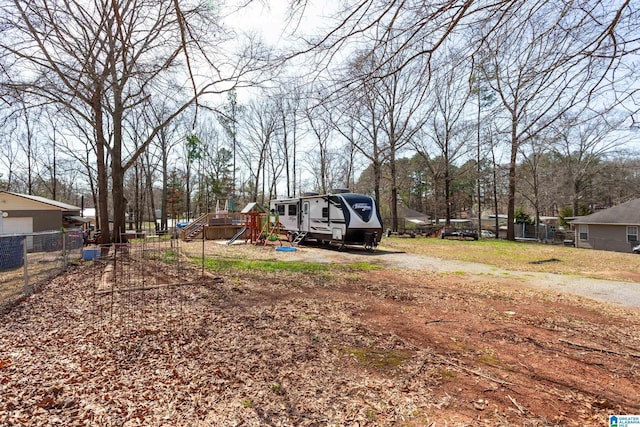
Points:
(636, 249)
(488, 234)
(461, 233)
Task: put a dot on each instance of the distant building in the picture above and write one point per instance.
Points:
(23, 213)
(613, 229)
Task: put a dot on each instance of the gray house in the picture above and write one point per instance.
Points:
(613, 229)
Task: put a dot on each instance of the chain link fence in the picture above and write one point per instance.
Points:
(27, 260)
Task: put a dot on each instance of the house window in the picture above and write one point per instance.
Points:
(293, 210)
(584, 232)
(632, 233)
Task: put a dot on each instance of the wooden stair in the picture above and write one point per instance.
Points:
(195, 229)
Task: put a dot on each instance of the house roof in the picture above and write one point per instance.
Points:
(77, 219)
(60, 205)
(627, 213)
(407, 213)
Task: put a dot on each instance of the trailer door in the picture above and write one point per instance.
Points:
(304, 217)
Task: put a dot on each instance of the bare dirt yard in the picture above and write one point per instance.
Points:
(342, 339)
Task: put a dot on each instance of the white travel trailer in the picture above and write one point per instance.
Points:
(341, 217)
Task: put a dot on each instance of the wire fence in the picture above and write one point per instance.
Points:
(27, 260)
(139, 282)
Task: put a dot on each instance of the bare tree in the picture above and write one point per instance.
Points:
(541, 62)
(583, 142)
(446, 132)
(162, 147)
(9, 149)
(260, 126)
(361, 122)
(533, 153)
(289, 103)
(321, 124)
(103, 59)
(77, 142)
(423, 28)
(402, 94)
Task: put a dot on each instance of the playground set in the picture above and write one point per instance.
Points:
(261, 227)
(254, 224)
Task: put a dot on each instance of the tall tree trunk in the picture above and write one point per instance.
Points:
(137, 196)
(119, 201)
(117, 172)
(101, 172)
(54, 184)
(149, 188)
(29, 156)
(511, 202)
(92, 188)
(576, 197)
(377, 177)
(447, 195)
(478, 168)
(164, 223)
(394, 190)
(264, 177)
(187, 200)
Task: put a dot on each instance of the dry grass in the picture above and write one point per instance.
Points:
(526, 256)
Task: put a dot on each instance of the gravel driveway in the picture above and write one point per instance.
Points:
(625, 294)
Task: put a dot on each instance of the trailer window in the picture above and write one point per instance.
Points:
(293, 210)
(280, 209)
(325, 212)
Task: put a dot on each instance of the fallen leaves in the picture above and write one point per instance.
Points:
(288, 350)
(182, 356)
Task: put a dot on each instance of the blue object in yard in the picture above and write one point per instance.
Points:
(183, 224)
(11, 252)
(89, 254)
(285, 248)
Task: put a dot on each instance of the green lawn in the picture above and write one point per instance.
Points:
(522, 256)
(272, 266)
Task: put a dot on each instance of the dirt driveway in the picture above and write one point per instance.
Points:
(626, 294)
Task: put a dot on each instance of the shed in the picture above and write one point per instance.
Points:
(413, 220)
(413, 216)
(614, 229)
(24, 213)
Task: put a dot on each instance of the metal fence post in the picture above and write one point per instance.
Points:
(26, 290)
(64, 248)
